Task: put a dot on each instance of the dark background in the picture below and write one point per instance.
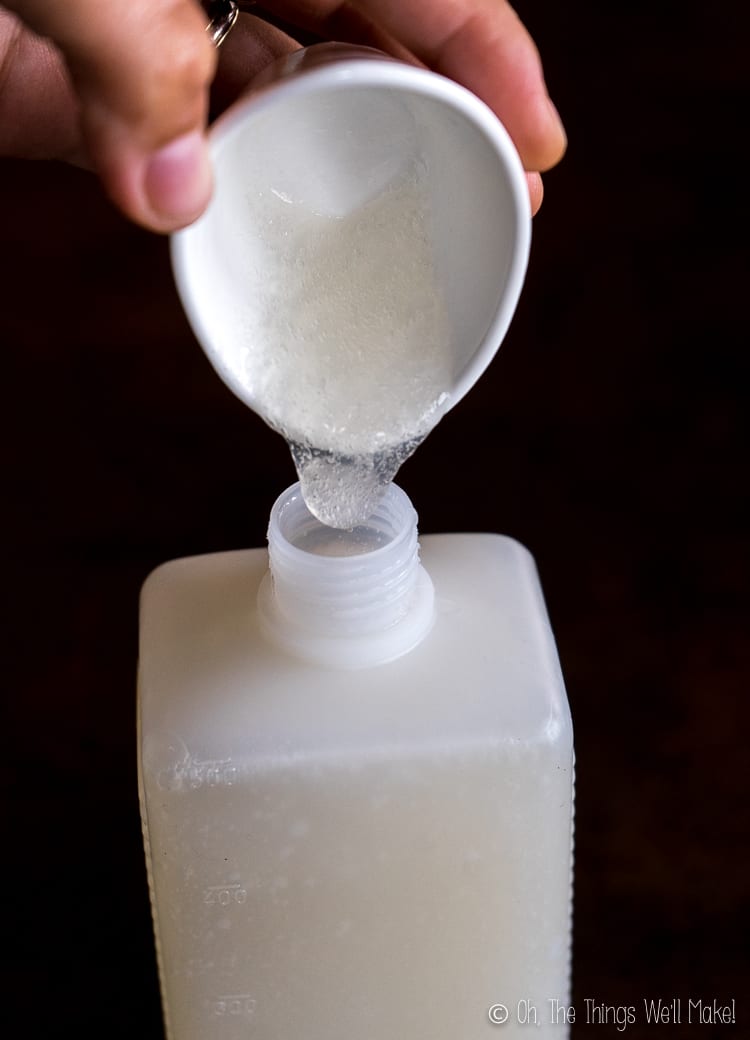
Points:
(609, 436)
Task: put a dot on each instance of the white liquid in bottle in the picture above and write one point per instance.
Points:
(343, 851)
(348, 343)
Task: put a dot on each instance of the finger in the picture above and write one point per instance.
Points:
(485, 46)
(248, 49)
(536, 191)
(38, 111)
(141, 70)
(324, 20)
(481, 44)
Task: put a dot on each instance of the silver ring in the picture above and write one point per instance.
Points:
(222, 16)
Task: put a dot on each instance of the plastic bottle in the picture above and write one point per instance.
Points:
(357, 786)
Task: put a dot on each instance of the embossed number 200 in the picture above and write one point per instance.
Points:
(223, 896)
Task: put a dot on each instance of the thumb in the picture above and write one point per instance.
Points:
(141, 71)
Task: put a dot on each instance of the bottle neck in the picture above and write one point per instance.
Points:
(347, 599)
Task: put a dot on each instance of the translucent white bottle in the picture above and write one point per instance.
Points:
(356, 785)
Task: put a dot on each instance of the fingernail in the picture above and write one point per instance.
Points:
(177, 181)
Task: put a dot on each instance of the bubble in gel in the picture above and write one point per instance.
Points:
(343, 491)
(347, 345)
(339, 492)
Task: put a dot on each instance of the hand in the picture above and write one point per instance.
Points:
(122, 86)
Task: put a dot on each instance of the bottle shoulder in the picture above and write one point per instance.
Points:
(487, 674)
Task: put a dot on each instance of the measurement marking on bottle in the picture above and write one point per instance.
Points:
(211, 773)
(224, 895)
(177, 769)
(236, 1004)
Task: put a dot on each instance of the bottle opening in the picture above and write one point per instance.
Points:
(328, 541)
(350, 598)
(391, 521)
